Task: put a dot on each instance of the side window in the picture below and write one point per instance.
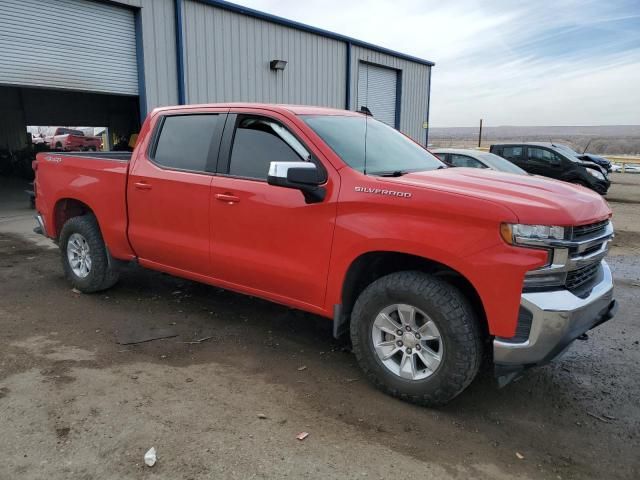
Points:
(511, 153)
(258, 141)
(441, 156)
(465, 161)
(541, 155)
(185, 140)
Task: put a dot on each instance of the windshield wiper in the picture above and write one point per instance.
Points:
(391, 173)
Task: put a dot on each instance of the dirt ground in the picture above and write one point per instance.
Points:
(76, 404)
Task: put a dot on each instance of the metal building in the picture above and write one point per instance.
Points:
(107, 63)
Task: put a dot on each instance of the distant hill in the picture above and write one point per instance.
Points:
(611, 139)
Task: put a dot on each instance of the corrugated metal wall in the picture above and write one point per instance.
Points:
(415, 88)
(158, 23)
(159, 46)
(227, 59)
(69, 44)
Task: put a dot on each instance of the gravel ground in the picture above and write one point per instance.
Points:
(76, 404)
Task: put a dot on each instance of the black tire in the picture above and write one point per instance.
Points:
(457, 324)
(102, 274)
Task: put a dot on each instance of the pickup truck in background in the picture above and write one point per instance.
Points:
(71, 140)
(332, 212)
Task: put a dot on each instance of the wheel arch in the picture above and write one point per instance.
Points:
(370, 266)
(66, 208)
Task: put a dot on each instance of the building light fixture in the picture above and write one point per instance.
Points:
(278, 64)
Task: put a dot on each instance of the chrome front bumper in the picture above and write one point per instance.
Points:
(558, 318)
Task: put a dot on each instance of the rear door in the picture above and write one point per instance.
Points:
(168, 191)
(269, 240)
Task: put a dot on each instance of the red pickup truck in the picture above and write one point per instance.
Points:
(71, 140)
(335, 213)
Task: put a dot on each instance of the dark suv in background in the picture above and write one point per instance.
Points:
(550, 161)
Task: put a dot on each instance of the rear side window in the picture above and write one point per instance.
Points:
(465, 161)
(259, 141)
(185, 140)
(541, 155)
(511, 152)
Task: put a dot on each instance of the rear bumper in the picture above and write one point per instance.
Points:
(558, 318)
(40, 228)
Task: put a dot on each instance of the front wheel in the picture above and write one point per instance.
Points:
(85, 258)
(416, 337)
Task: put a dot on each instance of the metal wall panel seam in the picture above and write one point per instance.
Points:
(180, 52)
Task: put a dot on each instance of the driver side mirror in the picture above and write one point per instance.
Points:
(303, 176)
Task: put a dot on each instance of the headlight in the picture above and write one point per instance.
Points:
(519, 234)
(595, 173)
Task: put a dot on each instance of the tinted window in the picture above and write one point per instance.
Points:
(185, 140)
(69, 131)
(465, 161)
(498, 163)
(441, 156)
(511, 152)
(386, 149)
(541, 155)
(258, 142)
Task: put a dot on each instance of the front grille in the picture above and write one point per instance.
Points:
(582, 277)
(593, 229)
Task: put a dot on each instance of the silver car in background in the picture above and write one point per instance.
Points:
(462, 157)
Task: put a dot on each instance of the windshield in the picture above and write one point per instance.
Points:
(499, 163)
(387, 150)
(566, 149)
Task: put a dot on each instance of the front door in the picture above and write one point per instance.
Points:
(267, 238)
(541, 161)
(168, 192)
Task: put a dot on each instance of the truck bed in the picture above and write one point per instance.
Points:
(119, 156)
(96, 181)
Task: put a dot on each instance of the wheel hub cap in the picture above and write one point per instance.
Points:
(79, 255)
(410, 340)
(407, 342)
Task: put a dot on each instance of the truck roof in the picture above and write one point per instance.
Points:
(282, 108)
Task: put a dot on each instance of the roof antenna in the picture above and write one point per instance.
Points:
(365, 109)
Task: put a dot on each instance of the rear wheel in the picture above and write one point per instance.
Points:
(85, 258)
(416, 337)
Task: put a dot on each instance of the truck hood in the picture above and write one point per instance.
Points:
(533, 199)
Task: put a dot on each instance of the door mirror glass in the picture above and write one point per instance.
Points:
(303, 176)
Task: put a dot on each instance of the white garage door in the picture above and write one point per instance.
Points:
(70, 44)
(377, 91)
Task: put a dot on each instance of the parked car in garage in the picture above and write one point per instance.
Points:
(335, 213)
(462, 157)
(553, 162)
(72, 140)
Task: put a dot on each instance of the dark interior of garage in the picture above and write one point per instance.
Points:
(20, 107)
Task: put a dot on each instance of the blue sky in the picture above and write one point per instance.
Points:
(536, 62)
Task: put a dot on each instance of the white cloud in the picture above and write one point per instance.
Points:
(559, 62)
